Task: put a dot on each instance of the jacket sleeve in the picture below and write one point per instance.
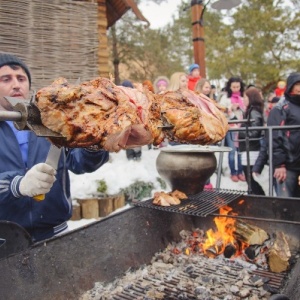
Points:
(276, 118)
(80, 160)
(9, 185)
(257, 121)
(262, 158)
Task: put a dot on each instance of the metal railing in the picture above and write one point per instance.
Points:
(267, 129)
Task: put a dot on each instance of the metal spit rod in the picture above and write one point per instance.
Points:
(15, 116)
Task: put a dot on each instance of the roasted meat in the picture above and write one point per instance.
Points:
(178, 194)
(101, 114)
(165, 199)
(196, 119)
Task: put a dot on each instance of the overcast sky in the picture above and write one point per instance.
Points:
(159, 15)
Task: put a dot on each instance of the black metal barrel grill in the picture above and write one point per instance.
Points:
(65, 267)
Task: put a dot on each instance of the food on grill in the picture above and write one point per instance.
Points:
(101, 114)
(180, 195)
(168, 199)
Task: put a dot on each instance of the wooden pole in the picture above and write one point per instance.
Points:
(198, 35)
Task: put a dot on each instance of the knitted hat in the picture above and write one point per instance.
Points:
(7, 59)
(162, 82)
(192, 67)
(127, 83)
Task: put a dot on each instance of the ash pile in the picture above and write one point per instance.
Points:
(183, 271)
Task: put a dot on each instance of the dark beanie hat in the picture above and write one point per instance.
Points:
(127, 83)
(275, 99)
(7, 59)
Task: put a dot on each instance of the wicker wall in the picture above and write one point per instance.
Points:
(56, 38)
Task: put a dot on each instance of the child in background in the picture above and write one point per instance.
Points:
(161, 84)
(194, 76)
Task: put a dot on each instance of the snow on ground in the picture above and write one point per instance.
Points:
(119, 173)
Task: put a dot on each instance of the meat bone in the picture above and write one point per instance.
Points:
(26, 116)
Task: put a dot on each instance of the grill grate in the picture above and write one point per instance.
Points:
(189, 282)
(201, 205)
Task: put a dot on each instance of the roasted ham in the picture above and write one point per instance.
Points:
(196, 118)
(101, 114)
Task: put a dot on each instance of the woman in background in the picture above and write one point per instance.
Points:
(178, 80)
(203, 86)
(254, 111)
(232, 101)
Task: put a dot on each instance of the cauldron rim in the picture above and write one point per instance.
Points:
(195, 148)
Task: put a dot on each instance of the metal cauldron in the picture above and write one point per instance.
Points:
(188, 167)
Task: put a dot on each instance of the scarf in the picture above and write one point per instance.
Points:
(237, 99)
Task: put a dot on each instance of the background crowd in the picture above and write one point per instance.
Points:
(246, 106)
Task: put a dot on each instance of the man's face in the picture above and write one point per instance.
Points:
(296, 89)
(13, 83)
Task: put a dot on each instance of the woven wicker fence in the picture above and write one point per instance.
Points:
(56, 38)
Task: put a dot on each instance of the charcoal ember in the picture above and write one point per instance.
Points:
(226, 269)
(166, 258)
(183, 296)
(155, 295)
(229, 251)
(244, 293)
(243, 273)
(254, 297)
(264, 293)
(252, 251)
(246, 280)
(258, 280)
(234, 289)
(201, 290)
(189, 269)
(239, 283)
(185, 234)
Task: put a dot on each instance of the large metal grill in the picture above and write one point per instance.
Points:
(185, 284)
(201, 204)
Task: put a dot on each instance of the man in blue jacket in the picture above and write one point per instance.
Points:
(286, 143)
(23, 172)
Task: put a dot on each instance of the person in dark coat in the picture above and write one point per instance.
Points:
(254, 111)
(263, 157)
(286, 143)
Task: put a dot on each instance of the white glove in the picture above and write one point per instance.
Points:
(38, 180)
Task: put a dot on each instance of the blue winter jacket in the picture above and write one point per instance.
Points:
(45, 218)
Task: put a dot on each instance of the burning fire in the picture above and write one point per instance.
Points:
(217, 240)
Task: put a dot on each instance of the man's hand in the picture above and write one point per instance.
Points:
(280, 174)
(38, 180)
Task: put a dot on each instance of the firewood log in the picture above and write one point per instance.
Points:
(250, 234)
(279, 254)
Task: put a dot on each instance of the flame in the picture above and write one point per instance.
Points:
(223, 236)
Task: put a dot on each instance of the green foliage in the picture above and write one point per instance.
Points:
(162, 183)
(258, 40)
(102, 186)
(260, 44)
(138, 190)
